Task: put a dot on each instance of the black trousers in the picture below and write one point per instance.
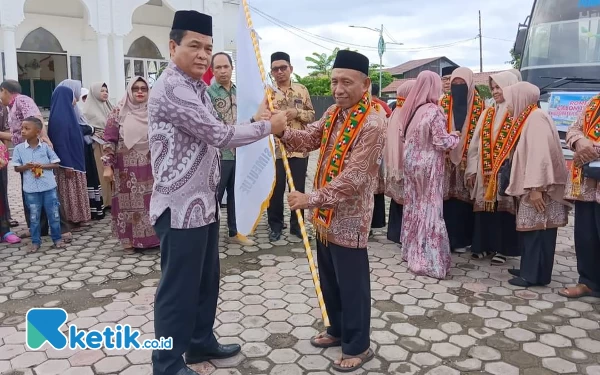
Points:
(459, 219)
(228, 183)
(496, 232)
(378, 220)
(587, 243)
(346, 285)
(186, 298)
(395, 222)
(65, 227)
(537, 259)
(298, 167)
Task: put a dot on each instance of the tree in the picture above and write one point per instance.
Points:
(386, 78)
(515, 59)
(321, 63)
(484, 91)
(316, 85)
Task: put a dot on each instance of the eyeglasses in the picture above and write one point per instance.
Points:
(139, 88)
(276, 69)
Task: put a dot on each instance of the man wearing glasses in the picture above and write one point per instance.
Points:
(294, 99)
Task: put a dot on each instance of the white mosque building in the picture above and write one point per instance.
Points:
(46, 41)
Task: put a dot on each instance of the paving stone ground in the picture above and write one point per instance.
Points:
(473, 322)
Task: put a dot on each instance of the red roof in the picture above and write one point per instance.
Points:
(410, 65)
(480, 79)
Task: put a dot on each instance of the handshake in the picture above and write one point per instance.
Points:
(278, 119)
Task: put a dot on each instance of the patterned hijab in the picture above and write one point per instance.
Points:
(133, 118)
(95, 110)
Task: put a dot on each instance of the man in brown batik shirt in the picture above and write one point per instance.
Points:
(294, 99)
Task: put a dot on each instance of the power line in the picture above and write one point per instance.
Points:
(504, 40)
(284, 25)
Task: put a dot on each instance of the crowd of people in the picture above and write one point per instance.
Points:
(461, 174)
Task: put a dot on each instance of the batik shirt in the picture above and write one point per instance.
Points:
(225, 104)
(590, 189)
(19, 109)
(185, 136)
(350, 193)
(296, 96)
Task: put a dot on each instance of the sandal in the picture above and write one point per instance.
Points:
(24, 233)
(498, 260)
(364, 358)
(11, 238)
(479, 256)
(579, 291)
(67, 237)
(333, 341)
(60, 244)
(33, 248)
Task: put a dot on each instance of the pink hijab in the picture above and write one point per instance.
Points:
(395, 139)
(133, 119)
(423, 96)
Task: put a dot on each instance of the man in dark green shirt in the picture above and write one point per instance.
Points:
(223, 96)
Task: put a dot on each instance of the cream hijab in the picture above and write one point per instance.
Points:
(133, 119)
(94, 109)
(538, 160)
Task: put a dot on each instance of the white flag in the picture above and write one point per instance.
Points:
(255, 163)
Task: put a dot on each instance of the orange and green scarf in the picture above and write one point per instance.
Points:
(400, 101)
(476, 110)
(335, 163)
(495, 152)
(591, 130)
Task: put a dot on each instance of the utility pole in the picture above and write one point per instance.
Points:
(480, 46)
(381, 50)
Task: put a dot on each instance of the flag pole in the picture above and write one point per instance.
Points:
(288, 172)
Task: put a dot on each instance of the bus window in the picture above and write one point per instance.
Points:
(554, 44)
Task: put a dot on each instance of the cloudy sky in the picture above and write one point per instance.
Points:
(421, 25)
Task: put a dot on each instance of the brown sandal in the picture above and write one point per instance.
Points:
(579, 291)
(364, 358)
(334, 341)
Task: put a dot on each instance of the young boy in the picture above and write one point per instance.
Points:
(37, 160)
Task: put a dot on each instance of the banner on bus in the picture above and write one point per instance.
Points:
(565, 107)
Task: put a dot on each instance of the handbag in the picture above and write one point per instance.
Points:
(592, 170)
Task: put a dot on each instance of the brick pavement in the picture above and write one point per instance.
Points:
(471, 323)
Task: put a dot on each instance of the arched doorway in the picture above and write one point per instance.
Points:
(42, 64)
(144, 59)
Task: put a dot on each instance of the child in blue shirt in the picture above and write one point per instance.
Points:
(37, 161)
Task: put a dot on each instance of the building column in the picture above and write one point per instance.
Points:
(103, 58)
(10, 53)
(118, 86)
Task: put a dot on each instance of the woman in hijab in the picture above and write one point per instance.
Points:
(94, 190)
(463, 107)
(537, 179)
(65, 134)
(96, 110)
(425, 244)
(493, 142)
(393, 158)
(127, 165)
(517, 74)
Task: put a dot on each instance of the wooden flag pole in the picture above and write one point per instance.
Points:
(288, 172)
